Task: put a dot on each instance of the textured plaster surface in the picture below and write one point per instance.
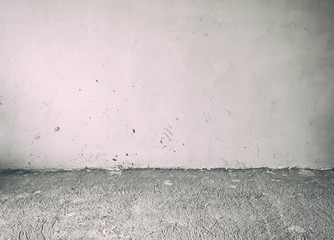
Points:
(157, 83)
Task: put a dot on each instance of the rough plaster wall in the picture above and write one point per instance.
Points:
(166, 83)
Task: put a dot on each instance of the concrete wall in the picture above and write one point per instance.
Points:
(177, 83)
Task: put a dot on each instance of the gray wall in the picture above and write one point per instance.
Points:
(160, 83)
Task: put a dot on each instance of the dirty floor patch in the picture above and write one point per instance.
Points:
(167, 204)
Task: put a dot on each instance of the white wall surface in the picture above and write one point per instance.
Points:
(177, 83)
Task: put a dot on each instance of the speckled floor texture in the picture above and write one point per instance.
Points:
(167, 204)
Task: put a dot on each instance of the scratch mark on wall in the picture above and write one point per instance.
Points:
(169, 131)
(225, 109)
(169, 139)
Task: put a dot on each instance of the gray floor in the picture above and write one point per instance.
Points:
(167, 204)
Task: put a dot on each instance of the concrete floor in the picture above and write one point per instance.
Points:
(167, 204)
